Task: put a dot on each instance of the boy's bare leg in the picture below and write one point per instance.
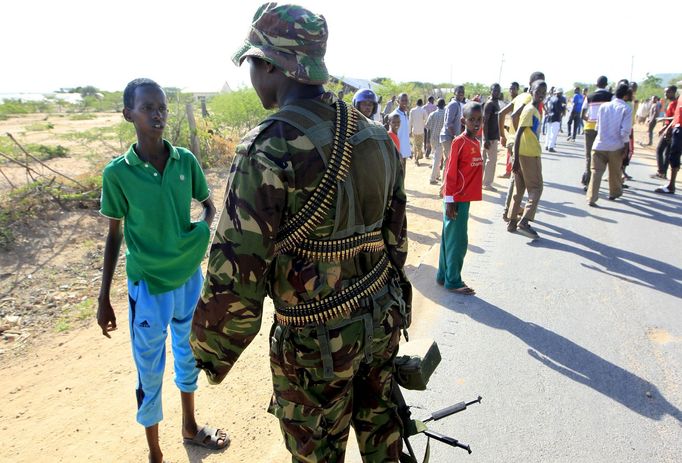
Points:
(189, 424)
(152, 433)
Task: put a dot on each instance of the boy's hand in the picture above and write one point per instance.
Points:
(516, 167)
(451, 211)
(106, 318)
(503, 140)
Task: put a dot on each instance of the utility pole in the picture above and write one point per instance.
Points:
(632, 67)
(451, 83)
(499, 77)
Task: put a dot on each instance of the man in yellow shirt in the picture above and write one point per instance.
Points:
(527, 166)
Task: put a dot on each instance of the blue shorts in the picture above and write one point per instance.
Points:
(149, 316)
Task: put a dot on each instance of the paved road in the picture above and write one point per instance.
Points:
(573, 340)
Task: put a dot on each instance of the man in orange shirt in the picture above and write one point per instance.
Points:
(663, 147)
(674, 133)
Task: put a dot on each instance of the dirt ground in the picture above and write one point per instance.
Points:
(68, 392)
(83, 157)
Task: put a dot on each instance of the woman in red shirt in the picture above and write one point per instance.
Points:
(463, 184)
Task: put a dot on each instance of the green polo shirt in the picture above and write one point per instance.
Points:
(164, 247)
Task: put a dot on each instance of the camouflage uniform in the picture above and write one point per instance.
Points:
(326, 376)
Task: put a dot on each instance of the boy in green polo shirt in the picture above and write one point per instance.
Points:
(151, 188)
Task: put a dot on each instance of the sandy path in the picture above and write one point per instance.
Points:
(71, 397)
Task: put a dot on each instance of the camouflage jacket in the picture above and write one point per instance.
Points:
(274, 172)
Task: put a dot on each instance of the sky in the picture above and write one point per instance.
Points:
(47, 45)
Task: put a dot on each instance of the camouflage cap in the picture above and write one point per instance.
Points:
(291, 38)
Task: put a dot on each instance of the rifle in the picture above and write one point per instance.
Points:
(412, 427)
(413, 370)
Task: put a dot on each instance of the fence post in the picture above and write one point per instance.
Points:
(193, 139)
(204, 109)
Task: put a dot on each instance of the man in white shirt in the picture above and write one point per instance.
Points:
(614, 122)
(417, 122)
(403, 131)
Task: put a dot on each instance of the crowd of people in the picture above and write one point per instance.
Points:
(454, 132)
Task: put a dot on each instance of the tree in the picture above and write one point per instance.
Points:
(650, 86)
(88, 90)
(239, 110)
(651, 81)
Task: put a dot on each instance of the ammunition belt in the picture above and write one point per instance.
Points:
(347, 248)
(316, 208)
(340, 304)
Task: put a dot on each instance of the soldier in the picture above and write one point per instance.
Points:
(366, 102)
(314, 217)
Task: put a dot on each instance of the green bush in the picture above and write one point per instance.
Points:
(39, 126)
(239, 110)
(14, 107)
(46, 152)
(82, 117)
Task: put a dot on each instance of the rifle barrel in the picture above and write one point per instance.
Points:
(451, 441)
(451, 410)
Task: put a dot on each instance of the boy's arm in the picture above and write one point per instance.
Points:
(449, 126)
(106, 318)
(428, 127)
(486, 119)
(450, 177)
(209, 211)
(516, 115)
(500, 122)
(517, 142)
(626, 126)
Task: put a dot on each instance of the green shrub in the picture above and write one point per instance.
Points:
(45, 152)
(82, 117)
(239, 110)
(39, 126)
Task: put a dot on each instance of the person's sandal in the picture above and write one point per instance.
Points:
(208, 437)
(464, 291)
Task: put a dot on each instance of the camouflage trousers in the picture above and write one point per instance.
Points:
(328, 377)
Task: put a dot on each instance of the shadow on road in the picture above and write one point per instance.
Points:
(557, 352)
(635, 201)
(626, 265)
(565, 208)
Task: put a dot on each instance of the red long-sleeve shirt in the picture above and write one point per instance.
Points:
(464, 171)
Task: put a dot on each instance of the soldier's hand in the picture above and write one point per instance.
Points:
(106, 319)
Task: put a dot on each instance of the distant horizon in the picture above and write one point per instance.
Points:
(195, 89)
